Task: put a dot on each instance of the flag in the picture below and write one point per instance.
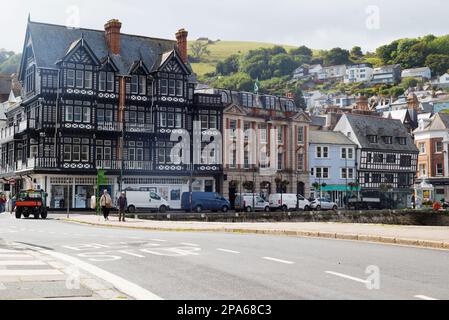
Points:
(257, 86)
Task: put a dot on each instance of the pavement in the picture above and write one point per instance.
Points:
(422, 236)
(153, 264)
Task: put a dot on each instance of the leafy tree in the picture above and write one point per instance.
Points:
(409, 82)
(356, 53)
(199, 49)
(411, 53)
(238, 81)
(438, 63)
(301, 51)
(228, 66)
(282, 64)
(5, 55)
(11, 65)
(396, 91)
(336, 56)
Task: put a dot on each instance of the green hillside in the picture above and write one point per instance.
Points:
(220, 50)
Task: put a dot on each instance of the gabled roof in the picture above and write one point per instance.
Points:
(329, 137)
(52, 42)
(364, 125)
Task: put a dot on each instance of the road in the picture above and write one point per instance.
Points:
(191, 266)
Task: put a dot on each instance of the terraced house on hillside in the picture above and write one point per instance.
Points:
(100, 99)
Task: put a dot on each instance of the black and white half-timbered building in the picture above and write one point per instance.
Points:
(103, 100)
(386, 157)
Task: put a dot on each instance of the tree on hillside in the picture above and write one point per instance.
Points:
(411, 54)
(5, 55)
(356, 53)
(336, 56)
(301, 51)
(11, 65)
(438, 63)
(199, 49)
(238, 81)
(228, 66)
(282, 65)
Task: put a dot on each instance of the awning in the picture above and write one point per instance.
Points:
(340, 188)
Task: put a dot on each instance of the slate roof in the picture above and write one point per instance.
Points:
(52, 42)
(364, 125)
(444, 118)
(318, 121)
(329, 137)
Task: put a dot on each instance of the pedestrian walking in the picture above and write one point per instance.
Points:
(2, 203)
(122, 204)
(106, 204)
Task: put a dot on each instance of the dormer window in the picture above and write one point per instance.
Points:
(402, 141)
(138, 84)
(372, 138)
(79, 76)
(388, 140)
(106, 81)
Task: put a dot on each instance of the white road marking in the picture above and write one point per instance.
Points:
(121, 284)
(8, 273)
(425, 298)
(189, 244)
(345, 276)
(158, 240)
(228, 251)
(132, 254)
(14, 256)
(22, 263)
(278, 260)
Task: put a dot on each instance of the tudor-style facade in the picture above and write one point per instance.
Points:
(104, 100)
(279, 149)
(386, 156)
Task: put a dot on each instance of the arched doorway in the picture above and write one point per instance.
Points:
(301, 188)
(265, 189)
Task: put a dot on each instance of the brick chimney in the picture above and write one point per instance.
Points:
(181, 37)
(362, 103)
(112, 33)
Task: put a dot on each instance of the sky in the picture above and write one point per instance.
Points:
(318, 24)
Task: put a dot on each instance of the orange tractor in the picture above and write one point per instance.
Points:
(31, 202)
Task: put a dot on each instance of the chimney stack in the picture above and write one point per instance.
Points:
(181, 38)
(112, 33)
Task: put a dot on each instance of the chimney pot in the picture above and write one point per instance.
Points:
(112, 33)
(181, 38)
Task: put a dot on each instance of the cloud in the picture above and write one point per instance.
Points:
(320, 24)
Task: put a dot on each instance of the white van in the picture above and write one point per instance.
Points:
(288, 201)
(246, 202)
(146, 200)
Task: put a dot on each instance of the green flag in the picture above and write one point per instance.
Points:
(257, 86)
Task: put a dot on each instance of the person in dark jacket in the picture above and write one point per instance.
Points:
(122, 204)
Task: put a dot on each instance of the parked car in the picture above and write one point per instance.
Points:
(146, 200)
(248, 201)
(201, 201)
(287, 201)
(323, 204)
